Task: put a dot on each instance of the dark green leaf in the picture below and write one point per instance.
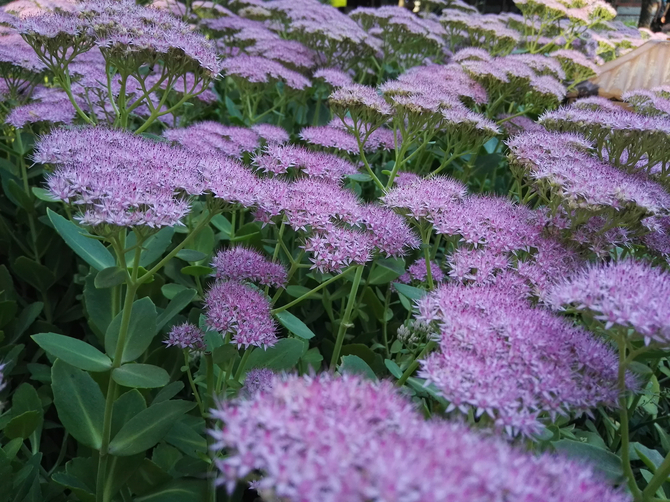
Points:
(141, 330)
(43, 194)
(179, 301)
(147, 428)
(79, 402)
(284, 355)
(141, 376)
(38, 276)
(387, 270)
(197, 270)
(191, 255)
(126, 407)
(73, 351)
(110, 277)
(601, 460)
(409, 291)
(232, 109)
(294, 325)
(23, 425)
(26, 319)
(17, 195)
(7, 312)
(98, 304)
(81, 242)
(186, 439)
(223, 354)
(152, 248)
(168, 392)
(222, 224)
(171, 290)
(178, 490)
(356, 365)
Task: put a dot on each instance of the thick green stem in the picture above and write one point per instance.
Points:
(344, 324)
(623, 419)
(103, 459)
(426, 255)
(191, 382)
(310, 293)
(657, 480)
(415, 364)
(243, 363)
(209, 360)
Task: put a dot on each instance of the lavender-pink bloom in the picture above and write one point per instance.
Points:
(243, 264)
(417, 272)
(330, 137)
(257, 380)
(426, 197)
(500, 356)
(212, 136)
(56, 112)
(118, 178)
(361, 98)
(243, 312)
(334, 77)
(627, 294)
(261, 70)
(390, 453)
(272, 134)
(186, 336)
(334, 249)
(389, 232)
(279, 159)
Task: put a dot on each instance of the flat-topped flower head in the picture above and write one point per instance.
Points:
(362, 100)
(417, 272)
(426, 197)
(334, 77)
(242, 311)
(244, 264)
(559, 162)
(257, 380)
(472, 53)
(330, 137)
(542, 65)
(187, 336)
(55, 108)
(261, 70)
(278, 159)
(212, 136)
(117, 178)
(389, 232)
(335, 248)
(271, 134)
(390, 454)
(626, 295)
(500, 356)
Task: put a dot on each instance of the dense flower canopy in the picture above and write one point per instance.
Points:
(390, 452)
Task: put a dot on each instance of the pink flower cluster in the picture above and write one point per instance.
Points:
(243, 264)
(333, 439)
(279, 159)
(515, 363)
(626, 294)
(242, 311)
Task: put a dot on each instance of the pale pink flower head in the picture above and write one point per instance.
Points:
(362, 99)
(244, 264)
(117, 178)
(334, 249)
(257, 380)
(271, 134)
(260, 70)
(389, 232)
(279, 159)
(501, 356)
(626, 295)
(187, 336)
(417, 272)
(334, 77)
(472, 53)
(390, 453)
(426, 197)
(243, 312)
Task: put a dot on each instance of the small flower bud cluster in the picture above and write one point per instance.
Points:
(187, 336)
